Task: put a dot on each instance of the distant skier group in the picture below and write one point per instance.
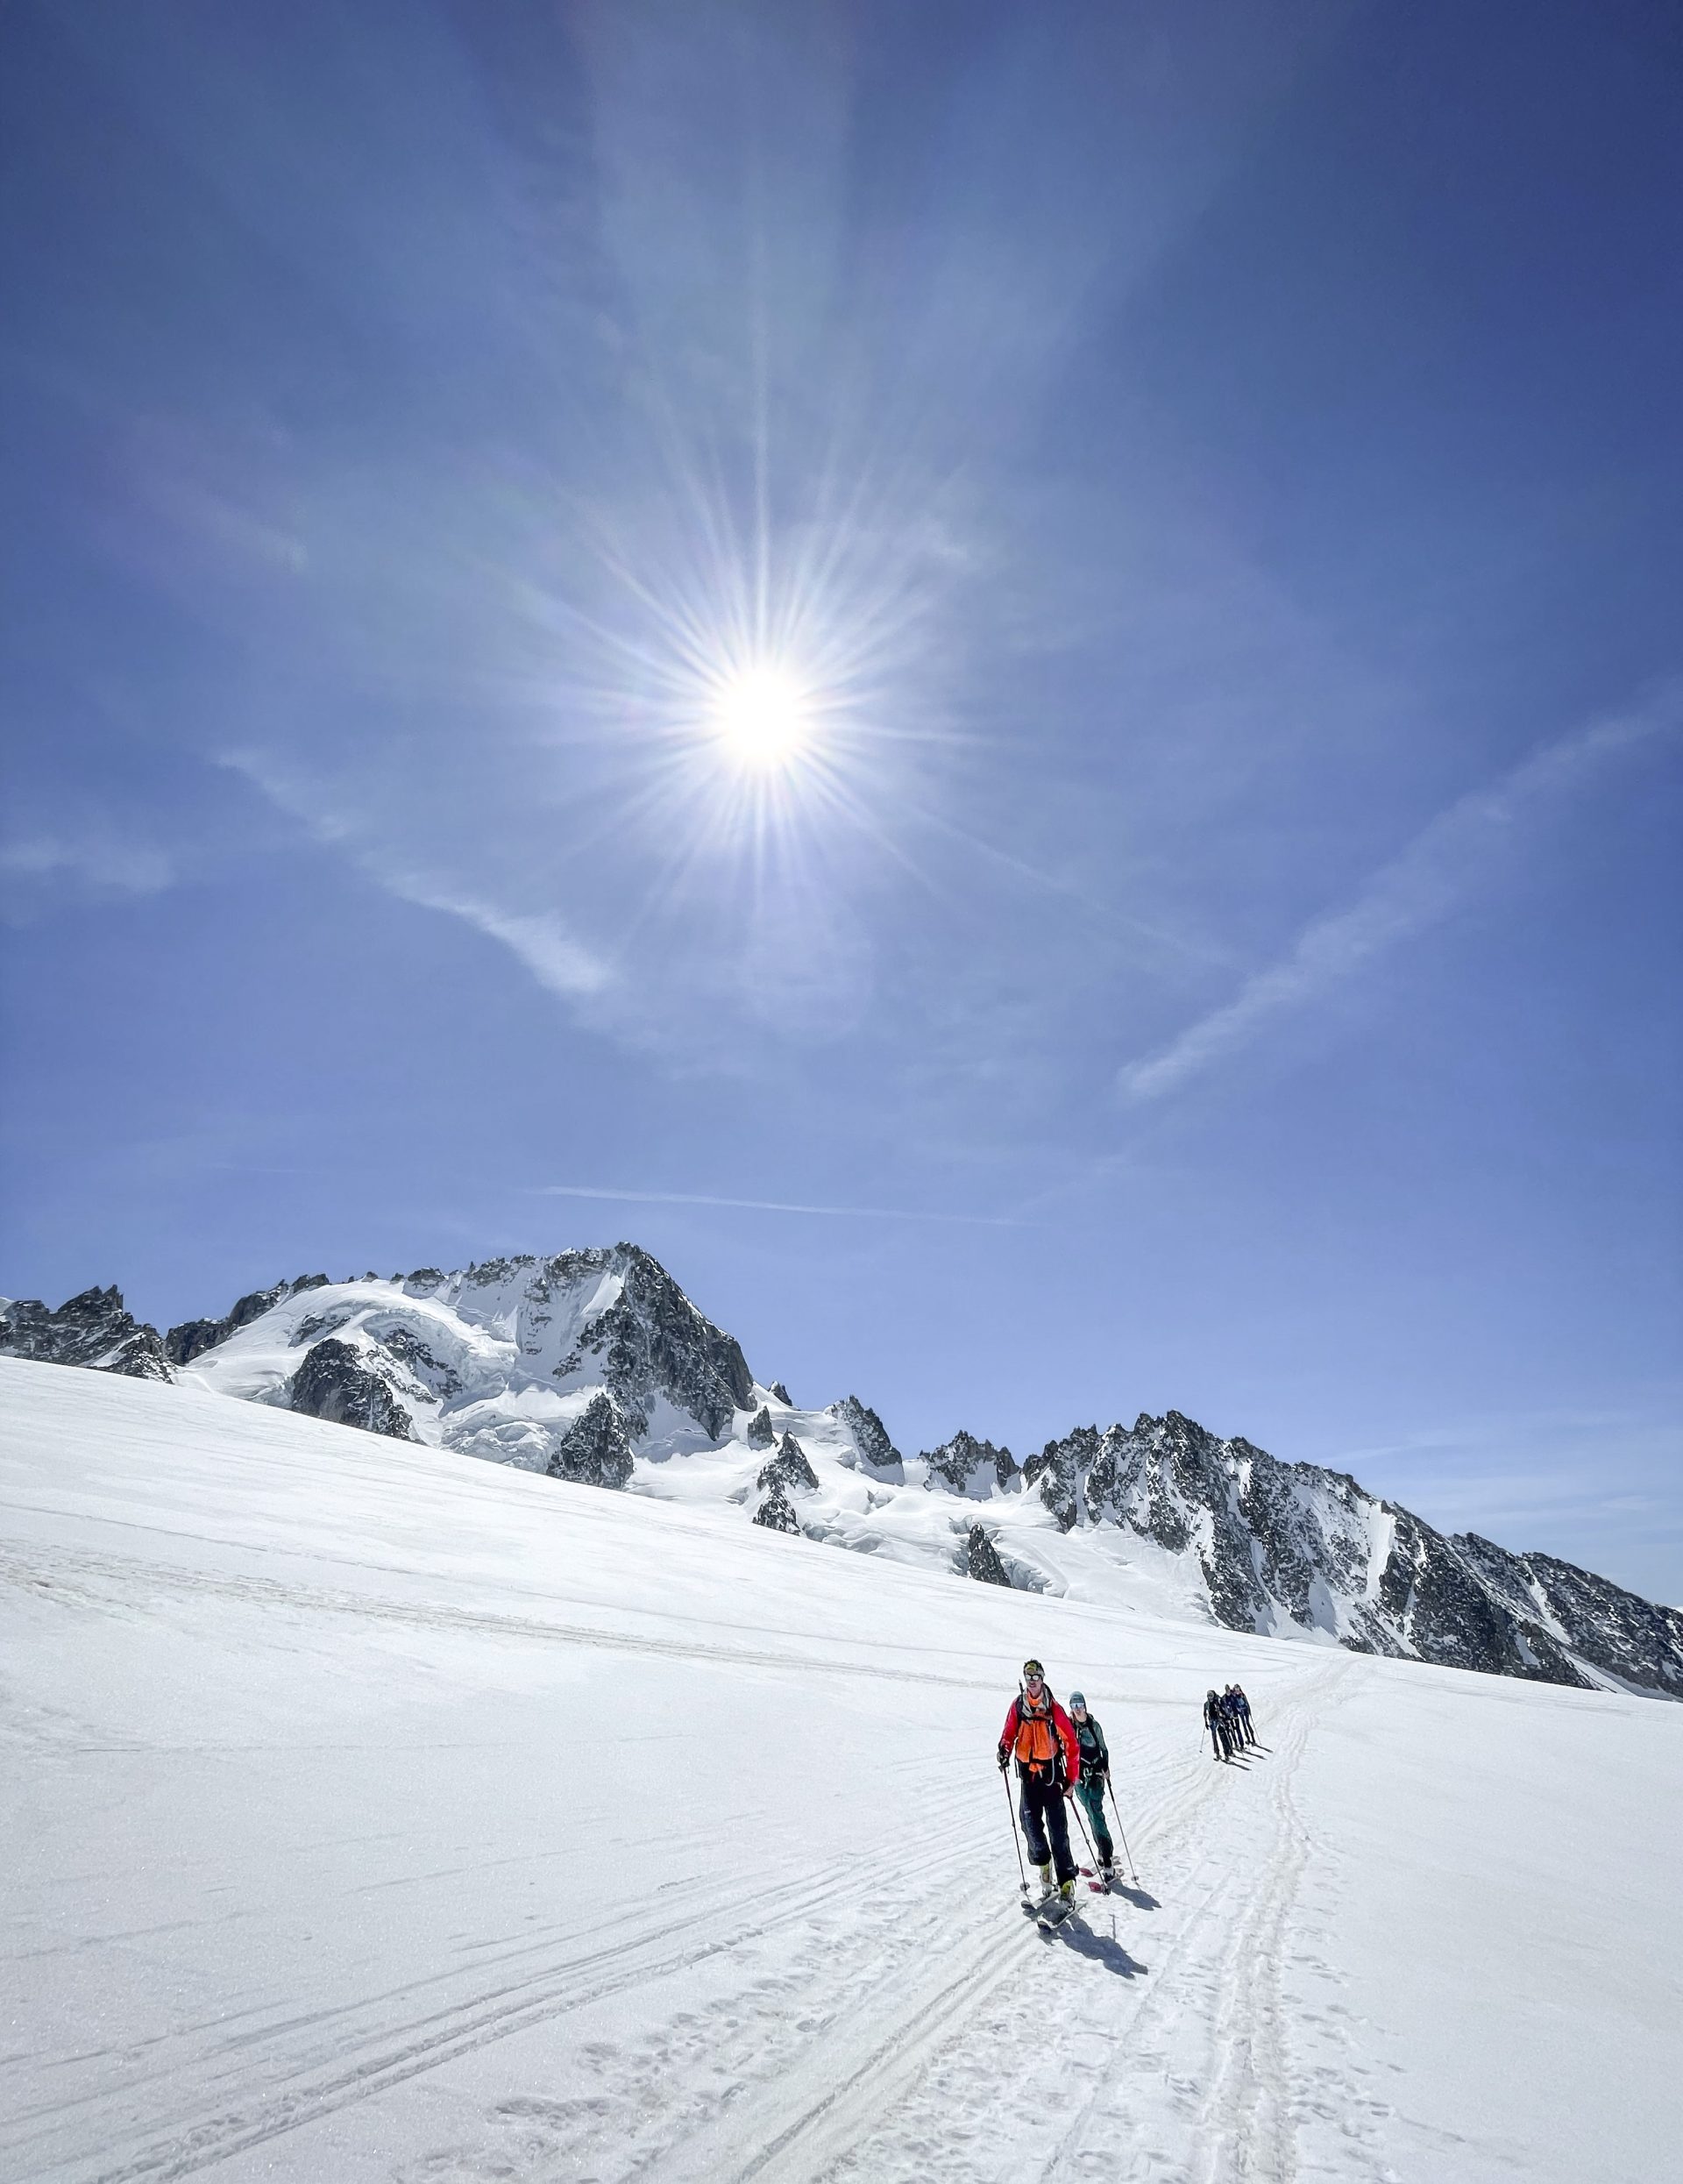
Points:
(1227, 1717)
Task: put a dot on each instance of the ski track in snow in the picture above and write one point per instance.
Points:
(450, 1954)
(903, 2041)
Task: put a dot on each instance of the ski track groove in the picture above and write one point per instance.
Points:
(815, 2118)
(496, 2013)
(878, 2054)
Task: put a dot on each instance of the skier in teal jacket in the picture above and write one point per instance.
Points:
(1095, 1773)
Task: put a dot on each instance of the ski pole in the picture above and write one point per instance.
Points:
(1016, 1837)
(1122, 1834)
(1075, 1806)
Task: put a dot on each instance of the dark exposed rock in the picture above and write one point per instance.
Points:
(775, 1514)
(877, 1452)
(594, 1450)
(311, 1327)
(651, 1341)
(761, 1431)
(982, 1559)
(94, 1330)
(334, 1382)
(1625, 1636)
(969, 1466)
(403, 1343)
(186, 1342)
(1294, 1541)
(1059, 1472)
(788, 1468)
(783, 1395)
(1433, 1597)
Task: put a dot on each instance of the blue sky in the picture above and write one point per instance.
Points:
(1212, 475)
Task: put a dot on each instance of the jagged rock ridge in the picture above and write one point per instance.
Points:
(188, 1340)
(965, 1465)
(594, 1367)
(94, 1330)
(1294, 1544)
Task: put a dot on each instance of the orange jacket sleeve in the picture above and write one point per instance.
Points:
(1070, 1742)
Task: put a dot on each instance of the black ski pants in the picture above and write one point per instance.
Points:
(1045, 1822)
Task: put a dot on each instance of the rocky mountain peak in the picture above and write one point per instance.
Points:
(94, 1330)
(965, 1465)
(596, 1367)
(877, 1453)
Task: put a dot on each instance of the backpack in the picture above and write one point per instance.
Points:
(1036, 1730)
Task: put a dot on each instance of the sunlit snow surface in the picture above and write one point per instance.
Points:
(370, 1813)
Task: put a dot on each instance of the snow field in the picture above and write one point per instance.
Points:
(371, 1813)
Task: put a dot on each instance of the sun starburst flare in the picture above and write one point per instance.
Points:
(762, 714)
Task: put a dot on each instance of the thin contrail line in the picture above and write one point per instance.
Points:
(777, 1205)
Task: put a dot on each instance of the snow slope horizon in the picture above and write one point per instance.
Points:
(593, 1365)
(373, 1815)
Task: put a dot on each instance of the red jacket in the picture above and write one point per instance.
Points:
(1061, 1726)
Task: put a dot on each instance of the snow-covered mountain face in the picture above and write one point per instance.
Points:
(593, 1366)
(566, 1364)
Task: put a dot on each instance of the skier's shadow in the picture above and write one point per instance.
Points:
(1076, 1935)
(1141, 1899)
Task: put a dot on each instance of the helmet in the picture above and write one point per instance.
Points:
(1077, 1698)
(1032, 1668)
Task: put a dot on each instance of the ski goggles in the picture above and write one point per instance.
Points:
(1033, 1672)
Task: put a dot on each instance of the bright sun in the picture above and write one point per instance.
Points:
(762, 715)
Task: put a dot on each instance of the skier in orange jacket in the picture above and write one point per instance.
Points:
(1040, 1736)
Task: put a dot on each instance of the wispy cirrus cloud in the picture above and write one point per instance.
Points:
(778, 1205)
(96, 862)
(1417, 888)
(537, 939)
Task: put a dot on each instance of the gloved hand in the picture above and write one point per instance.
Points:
(1005, 1762)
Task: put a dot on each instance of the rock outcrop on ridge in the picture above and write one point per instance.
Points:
(334, 1384)
(877, 1453)
(965, 1465)
(788, 1468)
(94, 1330)
(594, 1367)
(982, 1558)
(594, 1451)
(188, 1340)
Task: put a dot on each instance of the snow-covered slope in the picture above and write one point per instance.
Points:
(374, 1816)
(593, 1366)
